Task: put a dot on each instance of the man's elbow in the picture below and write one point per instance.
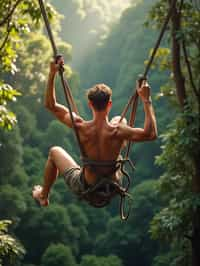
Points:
(153, 136)
(149, 136)
(49, 106)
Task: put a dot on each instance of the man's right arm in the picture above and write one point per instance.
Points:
(59, 110)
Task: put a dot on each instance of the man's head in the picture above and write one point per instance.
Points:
(99, 96)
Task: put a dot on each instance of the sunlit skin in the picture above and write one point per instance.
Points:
(101, 138)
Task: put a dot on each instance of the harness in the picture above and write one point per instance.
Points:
(105, 189)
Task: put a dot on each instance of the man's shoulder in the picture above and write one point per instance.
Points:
(81, 122)
(117, 120)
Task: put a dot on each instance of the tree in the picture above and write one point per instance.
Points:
(7, 93)
(17, 18)
(178, 221)
(26, 122)
(98, 261)
(122, 239)
(12, 203)
(80, 224)
(57, 134)
(10, 153)
(58, 254)
(44, 226)
(10, 249)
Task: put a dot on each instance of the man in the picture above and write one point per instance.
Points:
(101, 139)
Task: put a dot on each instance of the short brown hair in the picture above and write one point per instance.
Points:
(99, 95)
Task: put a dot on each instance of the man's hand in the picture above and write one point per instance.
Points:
(54, 66)
(144, 91)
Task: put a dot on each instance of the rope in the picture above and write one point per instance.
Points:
(55, 52)
(70, 103)
(163, 29)
(48, 28)
(66, 88)
(144, 76)
(134, 98)
(133, 101)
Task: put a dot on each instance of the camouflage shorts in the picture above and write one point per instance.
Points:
(72, 177)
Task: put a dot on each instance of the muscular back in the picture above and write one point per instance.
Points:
(100, 142)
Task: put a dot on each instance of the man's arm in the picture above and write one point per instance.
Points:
(149, 132)
(59, 110)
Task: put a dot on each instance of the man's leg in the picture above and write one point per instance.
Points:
(58, 161)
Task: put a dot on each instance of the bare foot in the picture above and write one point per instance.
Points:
(37, 195)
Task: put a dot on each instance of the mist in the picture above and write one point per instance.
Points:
(86, 23)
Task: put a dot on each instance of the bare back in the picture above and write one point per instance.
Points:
(100, 143)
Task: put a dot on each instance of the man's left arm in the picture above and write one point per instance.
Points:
(149, 131)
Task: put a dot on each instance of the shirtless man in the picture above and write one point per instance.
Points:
(101, 139)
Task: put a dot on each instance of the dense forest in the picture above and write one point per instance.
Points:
(102, 43)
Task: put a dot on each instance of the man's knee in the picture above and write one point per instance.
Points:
(54, 151)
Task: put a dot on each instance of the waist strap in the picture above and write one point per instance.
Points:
(105, 196)
(89, 162)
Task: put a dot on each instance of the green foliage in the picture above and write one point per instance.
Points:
(64, 232)
(98, 261)
(179, 151)
(24, 59)
(10, 153)
(80, 224)
(52, 225)
(26, 122)
(14, 201)
(175, 256)
(187, 36)
(33, 163)
(59, 135)
(58, 254)
(18, 18)
(134, 235)
(10, 249)
(7, 93)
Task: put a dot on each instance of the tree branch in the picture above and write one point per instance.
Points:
(188, 237)
(189, 69)
(181, 5)
(4, 20)
(5, 40)
(7, 34)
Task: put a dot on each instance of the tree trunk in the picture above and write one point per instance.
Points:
(196, 217)
(181, 95)
(176, 57)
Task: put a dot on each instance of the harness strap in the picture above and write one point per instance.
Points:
(124, 216)
(86, 161)
(104, 185)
